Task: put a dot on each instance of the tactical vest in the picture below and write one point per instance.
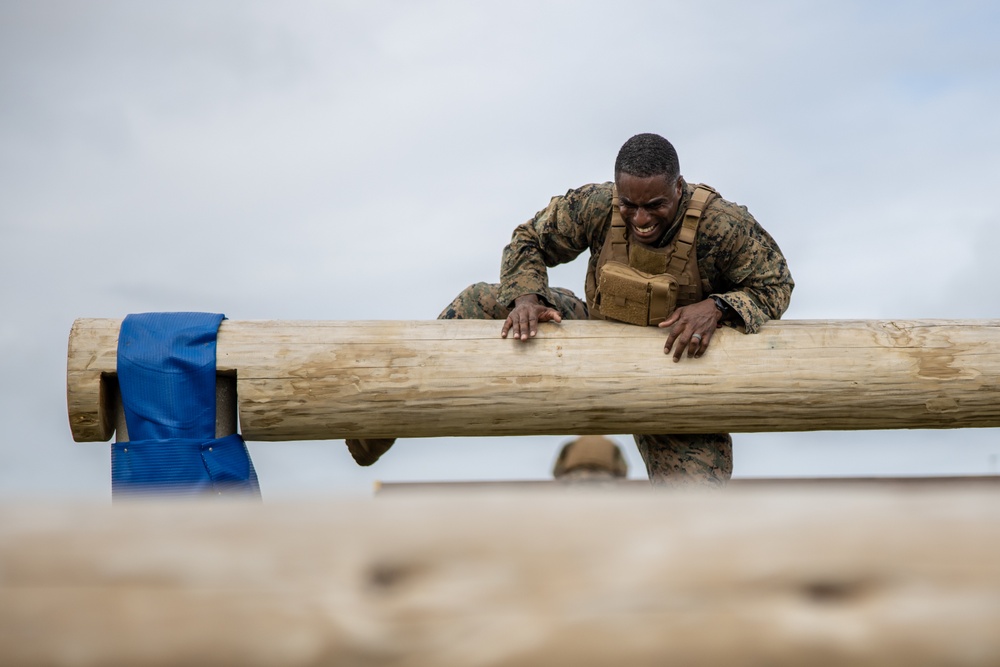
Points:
(644, 285)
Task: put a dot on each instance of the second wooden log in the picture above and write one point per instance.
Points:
(808, 577)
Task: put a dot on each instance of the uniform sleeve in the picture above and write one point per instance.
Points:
(751, 273)
(557, 234)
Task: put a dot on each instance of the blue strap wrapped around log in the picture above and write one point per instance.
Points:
(166, 377)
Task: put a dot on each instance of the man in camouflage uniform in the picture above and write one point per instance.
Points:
(743, 276)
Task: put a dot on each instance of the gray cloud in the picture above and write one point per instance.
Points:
(368, 160)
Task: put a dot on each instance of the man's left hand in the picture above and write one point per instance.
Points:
(691, 329)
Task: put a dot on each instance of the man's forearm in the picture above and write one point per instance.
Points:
(755, 306)
(522, 272)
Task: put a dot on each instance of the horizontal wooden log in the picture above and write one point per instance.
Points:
(895, 482)
(734, 578)
(318, 380)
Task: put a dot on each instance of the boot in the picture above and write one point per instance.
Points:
(368, 451)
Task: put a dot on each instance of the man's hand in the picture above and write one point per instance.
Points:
(527, 313)
(691, 328)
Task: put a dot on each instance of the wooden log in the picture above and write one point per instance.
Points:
(734, 578)
(319, 380)
(909, 483)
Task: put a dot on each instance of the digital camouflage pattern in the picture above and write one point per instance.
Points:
(738, 260)
(480, 302)
(687, 460)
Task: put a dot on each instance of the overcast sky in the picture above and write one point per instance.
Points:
(368, 160)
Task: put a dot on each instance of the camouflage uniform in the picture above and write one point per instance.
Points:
(737, 259)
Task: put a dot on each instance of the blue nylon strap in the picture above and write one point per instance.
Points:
(166, 373)
(166, 377)
(183, 466)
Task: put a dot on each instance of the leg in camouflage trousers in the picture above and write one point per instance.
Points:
(688, 460)
(671, 460)
(479, 302)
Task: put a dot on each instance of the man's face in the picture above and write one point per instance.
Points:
(648, 205)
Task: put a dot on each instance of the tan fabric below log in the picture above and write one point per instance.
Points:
(858, 577)
(308, 380)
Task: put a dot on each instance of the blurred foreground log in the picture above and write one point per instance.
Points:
(327, 380)
(859, 577)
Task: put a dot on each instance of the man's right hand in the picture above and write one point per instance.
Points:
(523, 320)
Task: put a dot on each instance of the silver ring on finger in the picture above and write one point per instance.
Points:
(696, 337)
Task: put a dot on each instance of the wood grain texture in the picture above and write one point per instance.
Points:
(90, 360)
(853, 577)
(307, 380)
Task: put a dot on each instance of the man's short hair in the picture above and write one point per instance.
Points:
(646, 155)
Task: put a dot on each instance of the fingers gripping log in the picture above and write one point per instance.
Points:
(308, 380)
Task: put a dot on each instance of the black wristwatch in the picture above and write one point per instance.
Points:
(723, 307)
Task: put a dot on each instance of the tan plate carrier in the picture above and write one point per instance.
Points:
(642, 285)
